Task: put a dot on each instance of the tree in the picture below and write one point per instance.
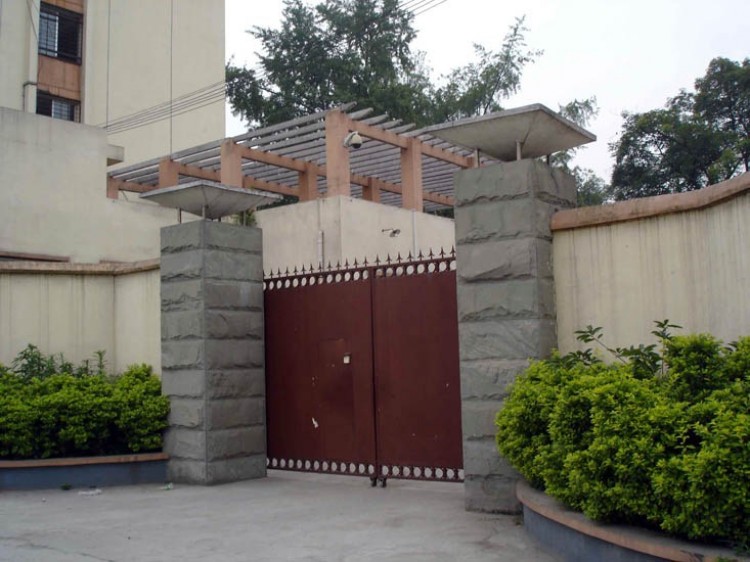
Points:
(698, 139)
(592, 190)
(359, 50)
(340, 51)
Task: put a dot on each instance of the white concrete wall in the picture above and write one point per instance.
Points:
(137, 319)
(142, 53)
(53, 185)
(137, 54)
(690, 267)
(352, 228)
(77, 315)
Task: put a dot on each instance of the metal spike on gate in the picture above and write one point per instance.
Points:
(398, 258)
(409, 257)
(329, 265)
(286, 272)
(346, 263)
(338, 265)
(295, 270)
(388, 259)
(421, 257)
(355, 263)
(453, 251)
(431, 254)
(442, 252)
(377, 260)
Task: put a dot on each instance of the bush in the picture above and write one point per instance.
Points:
(659, 438)
(80, 412)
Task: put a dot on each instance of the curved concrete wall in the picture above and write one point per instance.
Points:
(684, 257)
(77, 310)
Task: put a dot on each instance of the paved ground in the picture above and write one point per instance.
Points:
(287, 516)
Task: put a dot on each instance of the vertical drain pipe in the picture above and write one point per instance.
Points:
(321, 238)
(414, 234)
(321, 248)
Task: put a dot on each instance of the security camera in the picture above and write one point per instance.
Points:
(353, 140)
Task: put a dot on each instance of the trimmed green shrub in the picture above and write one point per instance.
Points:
(660, 438)
(141, 415)
(45, 414)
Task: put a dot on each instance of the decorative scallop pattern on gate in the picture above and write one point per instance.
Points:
(358, 271)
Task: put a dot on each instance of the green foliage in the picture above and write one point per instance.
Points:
(57, 414)
(142, 411)
(31, 363)
(592, 190)
(339, 51)
(661, 437)
(698, 139)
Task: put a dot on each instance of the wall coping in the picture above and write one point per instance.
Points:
(65, 268)
(640, 540)
(647, 207)
(79, 461)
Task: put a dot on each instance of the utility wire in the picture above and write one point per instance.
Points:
(430, 7)
(198, 98)
(215, 92)
(29, 4)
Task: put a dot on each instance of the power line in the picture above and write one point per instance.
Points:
(177, 110)
(198, 98)
(214, 92)
(430, 7)
(29, 4)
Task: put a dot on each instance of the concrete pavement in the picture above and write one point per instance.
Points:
(287, 516)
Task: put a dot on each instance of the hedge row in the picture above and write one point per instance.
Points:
(661, 439)
(51, 414)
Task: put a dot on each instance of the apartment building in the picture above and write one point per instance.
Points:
(87, 84)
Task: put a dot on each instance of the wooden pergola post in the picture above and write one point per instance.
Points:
(371, 191)
(337, 155)
(411, 176)
(308, 183)
(231, 164)
(169, 173)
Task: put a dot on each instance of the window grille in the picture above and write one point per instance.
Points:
(59, 108)
(60, 33)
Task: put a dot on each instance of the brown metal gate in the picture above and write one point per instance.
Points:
(362, 371)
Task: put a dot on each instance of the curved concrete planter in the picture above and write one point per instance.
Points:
(574, 537)
(83, 472)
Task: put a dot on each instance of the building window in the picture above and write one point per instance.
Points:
(60, 33)
(59, 108)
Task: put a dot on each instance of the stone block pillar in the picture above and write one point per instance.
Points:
(212, 351)
(506, 307)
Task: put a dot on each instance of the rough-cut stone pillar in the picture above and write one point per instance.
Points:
(212, 351)
(506, 306)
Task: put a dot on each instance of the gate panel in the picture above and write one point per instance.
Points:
(418, 405)
(362, 371)
(319, 374)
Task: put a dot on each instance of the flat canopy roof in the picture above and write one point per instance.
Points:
(539, 130)
(209, 199)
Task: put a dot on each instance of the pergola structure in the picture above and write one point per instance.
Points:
(306, 157)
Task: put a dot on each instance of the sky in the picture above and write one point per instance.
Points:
(632, 55)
